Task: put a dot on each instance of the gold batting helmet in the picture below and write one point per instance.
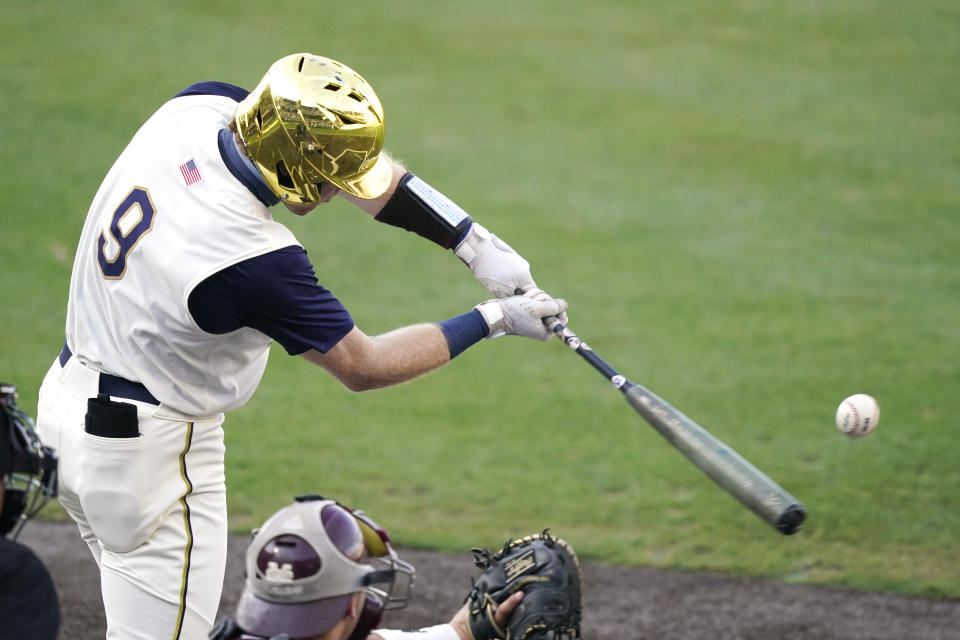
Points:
(311, 120)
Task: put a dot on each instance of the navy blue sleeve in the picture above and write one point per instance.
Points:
(210, 88)
(277, 294)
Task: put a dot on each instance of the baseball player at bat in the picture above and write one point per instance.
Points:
(181, 281)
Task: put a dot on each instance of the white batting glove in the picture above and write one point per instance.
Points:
(521, 315)
(501, 270)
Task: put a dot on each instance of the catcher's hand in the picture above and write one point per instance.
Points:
(547, 570)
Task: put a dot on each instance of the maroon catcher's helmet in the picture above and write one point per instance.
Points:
(306, 563)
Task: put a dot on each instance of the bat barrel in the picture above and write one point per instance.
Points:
(722, 464)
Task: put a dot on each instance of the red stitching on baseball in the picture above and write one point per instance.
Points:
(856, 415)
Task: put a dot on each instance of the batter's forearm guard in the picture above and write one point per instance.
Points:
(418, 207)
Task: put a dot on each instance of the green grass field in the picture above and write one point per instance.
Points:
(752, 208)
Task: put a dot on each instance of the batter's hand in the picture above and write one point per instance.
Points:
(501, 270)
(522, 315)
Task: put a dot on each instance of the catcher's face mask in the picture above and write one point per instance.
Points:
(380, 553)
(311, 120)
(29, 470)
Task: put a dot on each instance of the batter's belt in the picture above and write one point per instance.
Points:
(115, 386)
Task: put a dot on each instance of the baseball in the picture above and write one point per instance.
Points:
(858, 415)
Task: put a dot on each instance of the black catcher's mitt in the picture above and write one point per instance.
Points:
(547, 570)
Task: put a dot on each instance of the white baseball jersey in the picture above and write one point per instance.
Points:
(168, 215)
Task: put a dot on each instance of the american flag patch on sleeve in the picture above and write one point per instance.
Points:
(191, 175)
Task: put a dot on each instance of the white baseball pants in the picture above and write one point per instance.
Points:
(151, 508)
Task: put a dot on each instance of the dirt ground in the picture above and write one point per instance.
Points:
(619, 602)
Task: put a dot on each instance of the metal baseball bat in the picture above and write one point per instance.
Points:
(722, 464)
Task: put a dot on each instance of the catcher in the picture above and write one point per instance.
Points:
(318, 570)
(29, 607)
